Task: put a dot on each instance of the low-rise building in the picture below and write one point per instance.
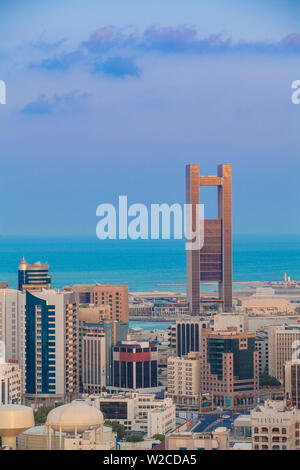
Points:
(139, 412)
(275, 426)
(216, 440)
(10, 383)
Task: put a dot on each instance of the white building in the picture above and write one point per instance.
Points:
(184, 379)
(140, 412)
(12, 325)
(10, 384)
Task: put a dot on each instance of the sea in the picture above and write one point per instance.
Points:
(145, 265)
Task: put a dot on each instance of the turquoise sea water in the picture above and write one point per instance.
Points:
(150, 325)
(144, 263)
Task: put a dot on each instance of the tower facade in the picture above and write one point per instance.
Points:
(33, 277)
(51, 347)
(213, 262)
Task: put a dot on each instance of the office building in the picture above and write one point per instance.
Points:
(138, 412)
(51, 347)
(229, 367)
(262, 347)
(33, 277)
(292, 382)
(93, 360)
(184, 379)
(94, 318)
(114, 296)
(282, 343)
(213, 262)
(135, 365)
(185, 336)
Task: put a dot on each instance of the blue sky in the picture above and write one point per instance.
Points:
(115, 97)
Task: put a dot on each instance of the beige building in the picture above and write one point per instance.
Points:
(184, 379)
(216, 440)
(249, 322)
(115, 296)
(222, 321)
(267, 302)
(275, 426)
(93, 360)
(10, 384)
(281, 341)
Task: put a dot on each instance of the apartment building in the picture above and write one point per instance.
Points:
(275, 426)
(51, 347)
(115, 296)
(10, 383)
(184, 379)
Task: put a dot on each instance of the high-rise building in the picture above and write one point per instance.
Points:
(213, 262)
(262, 347)
(292, 382)
(229, 367)
(12, 324)
(95, 317)
(185, 335)
(93, 360)
(135, 365)
(51, 347)
(184, 379)
(33, 277)
(282, 340)
(114, 296)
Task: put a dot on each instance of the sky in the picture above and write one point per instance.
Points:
(115, 97)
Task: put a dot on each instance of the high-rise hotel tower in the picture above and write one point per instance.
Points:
(33, 277)
(213, 262)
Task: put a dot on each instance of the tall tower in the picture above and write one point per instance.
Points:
(213, 262)
(33, 277)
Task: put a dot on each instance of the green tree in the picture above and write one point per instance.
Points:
(159, 437)
(135, 438)
(40, 415)
(268, 380)
(116, 427)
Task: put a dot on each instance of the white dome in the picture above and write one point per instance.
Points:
(73, 416)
